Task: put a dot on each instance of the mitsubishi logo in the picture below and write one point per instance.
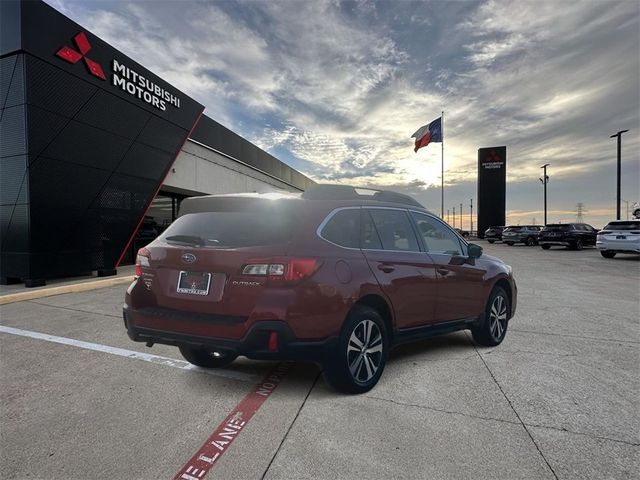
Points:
(73, 56)
(493, 157)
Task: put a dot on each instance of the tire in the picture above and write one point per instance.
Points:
(491, 241)
(204, 358)
(493, 328)
(607, 253)
(530, 242)
(348, 369)
(545, 246)
(577, 245)
(509, 243)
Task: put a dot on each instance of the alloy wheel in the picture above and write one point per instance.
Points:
(364, 351)
(498, 317)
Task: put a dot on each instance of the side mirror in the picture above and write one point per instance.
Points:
(475, 251)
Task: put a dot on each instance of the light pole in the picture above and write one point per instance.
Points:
(471, 215)
(619, 135)
(454, 217)
(627, 202)
(448, 216)
(461, 217)
(545, 180)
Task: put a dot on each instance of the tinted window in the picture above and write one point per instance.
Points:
(559, 227)
(394, 230)
(630, 225)
(343, 228)
(513, 229)
(437, 238)
(370, 238)
(230, 229)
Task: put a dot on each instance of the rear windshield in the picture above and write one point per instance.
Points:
(562, 228)
(630, 225)
(230, 229)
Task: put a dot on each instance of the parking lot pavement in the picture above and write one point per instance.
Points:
(558, 399)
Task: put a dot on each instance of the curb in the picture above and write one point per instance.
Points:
(71, 288)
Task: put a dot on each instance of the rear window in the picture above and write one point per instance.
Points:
(562, 228)
(630, 225)
(513, 229)
(231, 229)
(343, 228)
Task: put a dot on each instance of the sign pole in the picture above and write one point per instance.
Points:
(442, 165)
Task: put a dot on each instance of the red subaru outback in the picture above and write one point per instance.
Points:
(336, 275)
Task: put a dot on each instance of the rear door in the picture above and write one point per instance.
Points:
(460, 287)
(405, 273)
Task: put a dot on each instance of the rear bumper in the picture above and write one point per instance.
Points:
(254, 344)
(618, 246)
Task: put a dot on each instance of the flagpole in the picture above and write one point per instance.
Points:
(442, 175)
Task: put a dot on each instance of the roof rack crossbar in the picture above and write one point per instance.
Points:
(347, 192)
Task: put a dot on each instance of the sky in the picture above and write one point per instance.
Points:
(336, 89)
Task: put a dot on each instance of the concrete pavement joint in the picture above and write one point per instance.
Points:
(74, 309)
(440, 410)
(515, 412)
(555, 334)
(291, 426)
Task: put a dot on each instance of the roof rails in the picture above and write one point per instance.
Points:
(347, 192)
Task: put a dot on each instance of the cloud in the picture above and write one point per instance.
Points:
(336, 88)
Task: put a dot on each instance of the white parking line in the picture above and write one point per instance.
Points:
(121, 352)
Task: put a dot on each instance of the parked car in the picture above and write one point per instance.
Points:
(527, 234)
(333, 275)
(571, 235)
(493, 234)
(619, 236)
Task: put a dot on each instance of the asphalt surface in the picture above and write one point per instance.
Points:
(558, 398)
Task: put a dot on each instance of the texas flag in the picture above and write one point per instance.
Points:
(427, 134)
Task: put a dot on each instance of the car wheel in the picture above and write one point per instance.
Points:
(205, 358)
(361, 353)
(491, 241)
(545, 246)
(531, 242)
(607, 253)
(493, 328)
(577, 245)
(509, 243)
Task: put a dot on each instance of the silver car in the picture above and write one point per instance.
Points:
(619, 236)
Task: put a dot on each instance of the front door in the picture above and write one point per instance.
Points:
(460, 289)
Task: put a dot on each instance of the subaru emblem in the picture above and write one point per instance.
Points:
(189, 257)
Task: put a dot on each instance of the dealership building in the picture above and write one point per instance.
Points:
(96, 152)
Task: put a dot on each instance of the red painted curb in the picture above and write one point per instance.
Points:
(224, 435)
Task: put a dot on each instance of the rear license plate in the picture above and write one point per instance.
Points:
(621, 237)
(194, 283)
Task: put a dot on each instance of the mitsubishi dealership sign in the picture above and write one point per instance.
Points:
(146, 90)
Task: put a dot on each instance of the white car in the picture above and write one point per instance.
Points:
(619, 236)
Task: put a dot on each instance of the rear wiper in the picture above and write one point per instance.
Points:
(188, 239)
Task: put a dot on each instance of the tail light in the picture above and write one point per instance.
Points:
(635, 232)
(142, 260)
(282, 270)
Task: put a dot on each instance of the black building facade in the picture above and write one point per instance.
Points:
(87, 136)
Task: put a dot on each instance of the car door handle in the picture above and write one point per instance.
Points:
(386, 268)
(442, 271)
